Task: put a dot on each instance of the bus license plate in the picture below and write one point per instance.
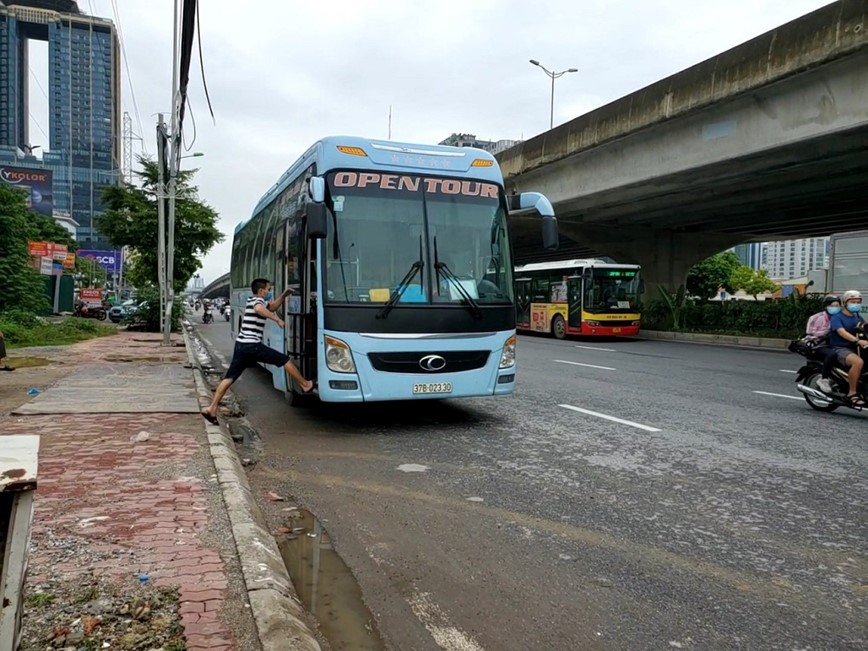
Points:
(616, 329)
(433, 387)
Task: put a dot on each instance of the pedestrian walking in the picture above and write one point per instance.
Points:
(4, 367)
(249, 349)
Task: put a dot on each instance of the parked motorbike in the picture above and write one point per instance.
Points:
(90, 312)
(207, 317)
(810, 374)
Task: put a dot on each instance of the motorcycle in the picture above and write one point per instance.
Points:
(227, 312)
(810, 374)
(207, 317)
(90, 312)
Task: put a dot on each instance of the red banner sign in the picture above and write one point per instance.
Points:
(90, 294)
(38, 249)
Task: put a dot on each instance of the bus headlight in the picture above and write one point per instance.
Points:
(507, 355)
(339, 358)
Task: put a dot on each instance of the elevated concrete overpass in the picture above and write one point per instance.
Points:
(768, 140)
(218, 288)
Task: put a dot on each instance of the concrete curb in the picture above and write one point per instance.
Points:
(764, 343)
(279, 616)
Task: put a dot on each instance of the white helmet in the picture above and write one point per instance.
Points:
(849, 295)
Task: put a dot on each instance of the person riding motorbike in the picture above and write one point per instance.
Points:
(843, 338)
(817, 337)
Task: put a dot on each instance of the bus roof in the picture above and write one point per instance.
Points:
(574, 264)
(368, 154)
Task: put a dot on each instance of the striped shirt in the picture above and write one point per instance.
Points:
(252, 325)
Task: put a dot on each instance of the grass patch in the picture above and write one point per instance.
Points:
(59, 333)
(27, 362)
(38, 599)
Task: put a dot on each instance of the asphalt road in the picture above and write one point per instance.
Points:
(721, 513)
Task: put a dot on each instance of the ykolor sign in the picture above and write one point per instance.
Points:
(36, 182)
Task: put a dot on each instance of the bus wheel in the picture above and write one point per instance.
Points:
(559, 328)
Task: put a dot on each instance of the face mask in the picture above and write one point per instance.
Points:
(833, 310)
(269, 296)
(854, 307)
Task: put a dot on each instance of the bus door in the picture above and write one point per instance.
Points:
(300, 276)
(574, 297)
(522, 301)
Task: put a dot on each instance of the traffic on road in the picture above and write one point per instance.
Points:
(630, 494)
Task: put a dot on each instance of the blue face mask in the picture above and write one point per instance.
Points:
(855, 307)
(269, 296)
(833, 310)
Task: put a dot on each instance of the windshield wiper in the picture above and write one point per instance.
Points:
(415, 268)
(441, 268)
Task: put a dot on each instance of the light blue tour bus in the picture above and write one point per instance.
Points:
(401, 261)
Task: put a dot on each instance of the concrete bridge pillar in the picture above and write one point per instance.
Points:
(665, 255)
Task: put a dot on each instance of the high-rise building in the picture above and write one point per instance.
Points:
(750, 254)
(470, 140)
(795, 258)
(84, 148)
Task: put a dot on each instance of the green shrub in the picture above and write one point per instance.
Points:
(59, 333)
(23, 318)
(149, 317)
(785, 318)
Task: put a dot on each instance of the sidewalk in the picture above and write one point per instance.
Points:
(131, 544)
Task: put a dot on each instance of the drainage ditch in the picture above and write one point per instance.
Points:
(326, 586)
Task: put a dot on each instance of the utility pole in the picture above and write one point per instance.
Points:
(128, 136)
(174, 160)
(161, 213)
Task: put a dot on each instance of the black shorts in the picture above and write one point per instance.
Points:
(247, 355)
(2, 348)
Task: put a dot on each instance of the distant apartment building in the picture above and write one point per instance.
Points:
(82, 154)
(795, 258)
(470, 140)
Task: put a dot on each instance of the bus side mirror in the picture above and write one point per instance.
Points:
(317, 189)
(543, 207)
(550, 235)
(316, 221)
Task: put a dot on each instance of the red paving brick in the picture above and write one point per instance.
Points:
(97, 484)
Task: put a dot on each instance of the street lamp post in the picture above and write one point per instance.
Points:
(553, 76)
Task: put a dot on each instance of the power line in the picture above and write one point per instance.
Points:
(117, 16)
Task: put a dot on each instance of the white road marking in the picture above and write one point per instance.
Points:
(412, 467)
(605, 350)
(446, 636)
(614, 419)
(604, 368)
(777, 395)
(786, 370)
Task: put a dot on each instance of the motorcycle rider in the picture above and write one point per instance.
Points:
(843, 339)
(817, 335)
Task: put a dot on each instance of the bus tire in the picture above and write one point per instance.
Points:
(559, 327)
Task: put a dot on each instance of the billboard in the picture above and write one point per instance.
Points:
(36, 182)
(109, 260)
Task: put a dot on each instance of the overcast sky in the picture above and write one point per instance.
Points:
(283, 73)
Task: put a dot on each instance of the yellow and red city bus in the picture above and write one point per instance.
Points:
(578, 297)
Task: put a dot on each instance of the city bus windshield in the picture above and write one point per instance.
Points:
(378, 244)
(613, 290)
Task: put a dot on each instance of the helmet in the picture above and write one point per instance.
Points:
(831, 298)
(850, 295)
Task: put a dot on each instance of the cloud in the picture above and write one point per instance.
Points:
(282, 74)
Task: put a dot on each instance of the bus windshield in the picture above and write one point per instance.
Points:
(613, 290)
(388, 228)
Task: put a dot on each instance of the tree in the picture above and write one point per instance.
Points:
(753, 282)
(706, 278)
(130, 219)
(22, 285)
